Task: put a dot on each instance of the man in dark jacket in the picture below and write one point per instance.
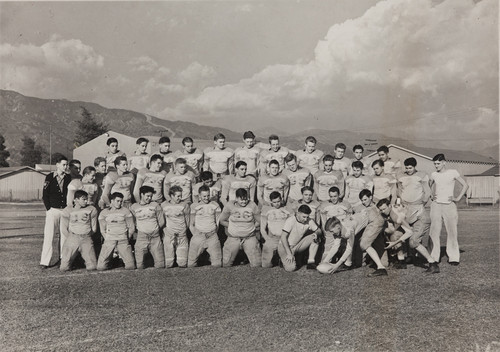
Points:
(55, 190)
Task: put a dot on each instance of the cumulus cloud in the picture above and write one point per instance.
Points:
(143, 63)
(197, 74)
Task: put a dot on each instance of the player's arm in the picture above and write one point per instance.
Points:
(65, 222)
(93, 220)
(71, 193)
(225, 190)
(224, 217)
(166, 187)
(341, 184)
(408, 233)
(138, 184)
(347, 191)
(160, 217)
(192, 221)
(256, 219)
(263, 227)
(316, 186)
(394, 193)
(263, 164)
(108, 184)
(206, 162)
(252, 190)
(427, 191)
(103, 225)
(286, 189)
(260, 191)
(187, 211)
(465, 186)
(230, 164)
(290, 258)
(129, 220)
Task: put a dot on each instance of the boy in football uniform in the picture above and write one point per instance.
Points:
(274, 152)
(358, 150)
(272, 182)
(334, 232)
(167, 155)
(175, 242)
(74, 168)
(310, 157)
(121, 181)
(328, 178)
(86, 184)
(298, 177)
(391, 166)
(100, 168)
(181, 177)
(272, 220)
(444, 209)
(192, 155)
(207, 179)
(299, 233)
(152, 176)
(307, 199)
(355, 183)
(112, 153)
(203, 224)
(249, 153)
(149, 220)
(219, 159)
(240, 179)
(333, 207)
(241, 220)
(384, 185)
(140, 159)
(117, 227)
(78, 223)
(342, 163)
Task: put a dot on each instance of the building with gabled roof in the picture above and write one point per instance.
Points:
(21, 183)
(484, 188)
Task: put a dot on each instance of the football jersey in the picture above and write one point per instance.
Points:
(248, 155)
(218, 160)
(276, 218)
(328, 210)
(411, 187)
(147, 217)
(391, 167)
(194, 160)
(185, 181)
(242, 220)
(206, 216)
(356, 185)
(138, 161)
(215, 190)
(155, 180)
(309, 160)
(175, 216)
(325, 180)
(231, 183)
(343, 165)
(266, 155)
(81, 220)
(297, 230)
(313, 205)
(110, 160)
(382, 186)
(118, 222)
(298, 179)
(270, 184)
(121, 183)
(91, 189)
(168, 161)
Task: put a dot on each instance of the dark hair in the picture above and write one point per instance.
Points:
(111, 140)
(274, 195)
(378, 162)
(73, 162)
(80, 193)
(142, 140)
(329, 157)
(304, 209)
(203, 188)
(331, 223)
(219, 136)
(88, 170)
(187, 140)
(248, 134)
(119, 159)
(410, 162)
(365, 192)
(206, 175)
(164, 139)
(274, 161)
(439, 157)
(383, 148)
(289, 157)
(358, 146)
(155, 157)
(241, 193)
(334, 189)
(99, 160)
(175, 189)
(273, 137)
(146, 189)
(341, 146)
(306, 188)
(382, 202)
(311, 139)
(239, 163)
(115, 195)
(357, 164)
(60, 158)
(180, 161)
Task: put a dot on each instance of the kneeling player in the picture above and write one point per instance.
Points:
(293, 240)
(241, 219)
(334, 232)
(149, 220)
(78, 223)
(117, 227)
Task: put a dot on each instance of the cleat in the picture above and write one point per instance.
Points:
(378, 272)
(454, 263)
(433, 268)
(344, 267)
(311, 266)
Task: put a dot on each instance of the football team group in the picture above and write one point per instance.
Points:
(261, 203)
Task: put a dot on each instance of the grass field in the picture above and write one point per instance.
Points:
(244, 309)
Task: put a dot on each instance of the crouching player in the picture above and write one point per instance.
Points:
(149, 220)
(334, 233)
(117, 227)
(78, 223)
(203, 224)
(272, 220)
(241, 220)
(293, 240)
(175, 242)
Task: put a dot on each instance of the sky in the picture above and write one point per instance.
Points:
(421, 70)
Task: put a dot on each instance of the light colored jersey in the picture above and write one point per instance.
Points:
(155, 180)
(194, 160)
(326, 180)
(445, 184)
(327, 210)
(343, 165)
(356, 185)
(270, 184)
(185, 181)
(138, 161)
(231, 183)
(298, 179)
(206, 216)
(92, 189)
(82, 220)
(168, 161)
(367, 170)
(391, 167)
(121, 183)
(215, 190)
(118, 223)
(242, 220)
(382, 186)
(411, 187)
(250, 156)
(297, 230)
(266, 155)
(276, 218)
(147, 217)
(110, 159)
(175, 216)
(309, 160)
(313, 205)
(219, 160)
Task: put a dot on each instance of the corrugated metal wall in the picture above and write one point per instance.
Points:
(23, 186)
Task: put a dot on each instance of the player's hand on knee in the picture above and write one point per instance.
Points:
(290, 258)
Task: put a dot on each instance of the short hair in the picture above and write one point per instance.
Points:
(329, 157)
(187, 140)
(378, 162)
(219, 136)
(60, 158)
(239, 163)
(155, 157)
(331, 223)
(146, 189)
(410, 162)
(73, 162)
(180, 161)
(306, 188)
(365, 192)
(274, 195)
(115, 195)
(334, 189)
(357, 164)
(274, 162)
(81, 193)
(340, 146)
(304, 209)
(248, 134)
(206, 175)
(119, 159)
(164, 139)
(358, 146)
(174, 189)
(88, 170)
(289, 157)
(382, 202)
(111, 140)
(311, 139)
(273, 137)
(383, 148)
(203, 188)
(99, 160)
(241, 193)
(141, 140)
(439, 157)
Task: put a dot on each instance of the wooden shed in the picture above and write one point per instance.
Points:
(21, 183)
(485, 187)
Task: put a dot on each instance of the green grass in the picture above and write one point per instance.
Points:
(244, 309)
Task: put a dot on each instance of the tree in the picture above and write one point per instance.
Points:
(4, 154)
(56, 156)
(88, 128)
(31, 154)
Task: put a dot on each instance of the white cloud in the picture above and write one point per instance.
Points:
(143, 63)
(197, 74)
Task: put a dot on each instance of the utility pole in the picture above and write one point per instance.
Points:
(50, 144)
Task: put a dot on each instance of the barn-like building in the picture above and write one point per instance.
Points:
(21, 183)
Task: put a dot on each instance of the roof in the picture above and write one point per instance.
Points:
(7, 171)
(494, 171)
(451, 155)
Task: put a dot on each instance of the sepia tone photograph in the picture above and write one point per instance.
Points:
(249, 175)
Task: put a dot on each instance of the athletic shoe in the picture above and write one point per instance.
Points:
(344, 267)
(311, 266)
(454, 263)
(378, 272)
(400, 264)
(433, 268)
(44, 267)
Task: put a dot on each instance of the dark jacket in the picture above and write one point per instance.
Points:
(52, 195)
